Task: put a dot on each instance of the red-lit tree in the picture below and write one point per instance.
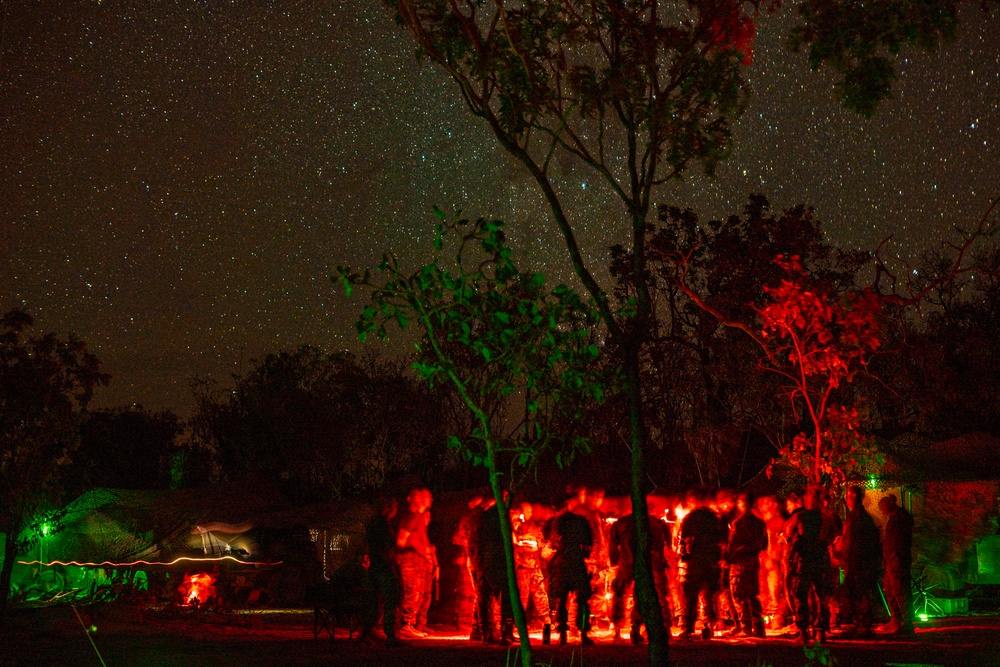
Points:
(818, 340)
(816, 329)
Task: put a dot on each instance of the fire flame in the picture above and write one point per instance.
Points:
(680, 512)
(198, 588)
(610, 520)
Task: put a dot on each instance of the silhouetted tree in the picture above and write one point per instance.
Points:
(945, 380)
(124, 448)
(45, 384)
(323, 425)
(818, 328)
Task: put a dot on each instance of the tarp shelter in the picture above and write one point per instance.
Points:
(951, 487)
(107, 530)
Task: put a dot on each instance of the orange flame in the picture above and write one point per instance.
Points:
(198, 588)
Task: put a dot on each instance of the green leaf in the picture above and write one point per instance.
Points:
(438, 243)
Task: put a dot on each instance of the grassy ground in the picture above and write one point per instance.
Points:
(124, 636)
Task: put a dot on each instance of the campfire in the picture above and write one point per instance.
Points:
(197, 589)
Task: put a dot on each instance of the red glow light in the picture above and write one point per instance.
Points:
(198, 588)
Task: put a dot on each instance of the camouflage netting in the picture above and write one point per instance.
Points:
(107, 530)
(119, 525)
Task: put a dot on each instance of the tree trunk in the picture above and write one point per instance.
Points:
(9, 555)
(816, 474)
(507, 532)
(645, 588)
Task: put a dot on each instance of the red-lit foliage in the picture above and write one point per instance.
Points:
(729, 29)
(197, 589)
(845, 454)
(818, 340)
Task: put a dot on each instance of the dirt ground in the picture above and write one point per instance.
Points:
(125, 637)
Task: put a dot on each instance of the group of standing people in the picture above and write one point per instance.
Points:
(402, 568)
(799, 563)
(715, 555)
(859, 551)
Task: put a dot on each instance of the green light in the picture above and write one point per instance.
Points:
(872, 482)
(45, 529)
(922, 617)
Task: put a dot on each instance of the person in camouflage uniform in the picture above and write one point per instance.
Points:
(700, 549)
(591, 507)
(383, 578)
(417, 561)
(775, 601)
(861, 553)
(897, 558)
(572, 539)
(747, 539)
(808, 566)
(622, 539)
(465, 590)
(490, 567)
(529, 549)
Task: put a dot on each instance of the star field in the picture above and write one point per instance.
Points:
(178, 179)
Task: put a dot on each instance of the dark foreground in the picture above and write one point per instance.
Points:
(55, 636)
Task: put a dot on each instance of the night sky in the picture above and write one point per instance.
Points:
(177, 179)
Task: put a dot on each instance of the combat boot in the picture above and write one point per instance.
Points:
(507, 633)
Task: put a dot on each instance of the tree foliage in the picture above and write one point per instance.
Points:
(493, 332)
(818, 341)
(946, 382)
(859, 41)
(323, 425)
(700, 398)
(124, 448)
(45, 384)
(813, 327)
(819, 328)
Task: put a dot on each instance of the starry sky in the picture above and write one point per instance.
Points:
(178, 179)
